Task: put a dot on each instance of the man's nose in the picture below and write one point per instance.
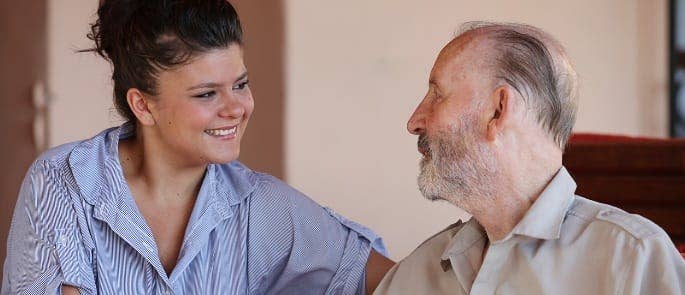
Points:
(417, 122)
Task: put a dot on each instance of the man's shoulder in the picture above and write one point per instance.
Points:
(441, 238)
(423, 271)
(604, 217)
(432, 248)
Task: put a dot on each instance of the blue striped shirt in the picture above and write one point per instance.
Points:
(76, 223)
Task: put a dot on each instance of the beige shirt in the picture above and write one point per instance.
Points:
(565, 244)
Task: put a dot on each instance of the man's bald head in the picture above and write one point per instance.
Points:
(532, 62)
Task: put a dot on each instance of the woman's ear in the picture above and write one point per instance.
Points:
(503, 100)
(138, 103)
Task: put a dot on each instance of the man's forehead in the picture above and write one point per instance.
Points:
(461, 43)
(466, 53)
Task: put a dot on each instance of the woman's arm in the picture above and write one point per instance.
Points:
(42, 235)
(69, 290)
(376, 267)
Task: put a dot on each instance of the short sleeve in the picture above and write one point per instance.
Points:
(656, 268)
(327, 253)
(363, 231)
(43, 243)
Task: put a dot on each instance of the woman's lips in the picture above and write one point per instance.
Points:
(221, 132)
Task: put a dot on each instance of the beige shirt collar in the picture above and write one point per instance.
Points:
(542, 221)
(545, 217)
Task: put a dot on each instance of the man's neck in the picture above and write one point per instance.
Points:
(503, 208)
(499, 216)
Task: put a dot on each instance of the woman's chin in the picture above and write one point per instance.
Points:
(223, 158)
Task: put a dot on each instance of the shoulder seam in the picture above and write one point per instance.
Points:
(449, 227)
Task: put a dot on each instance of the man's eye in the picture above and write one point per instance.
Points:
(436, 95)
(205, 94)
(241, 85)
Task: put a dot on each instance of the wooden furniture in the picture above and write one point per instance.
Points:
(639, 175)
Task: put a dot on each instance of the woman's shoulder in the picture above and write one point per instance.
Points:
(270, 189)
(60, 154)
(57, 154)
(44, 195)
(275, 202)
(50, 164)
(53, 167)
(60, 167)
(268, 197)
(244, 182)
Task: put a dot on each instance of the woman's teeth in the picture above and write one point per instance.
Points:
(221, 132)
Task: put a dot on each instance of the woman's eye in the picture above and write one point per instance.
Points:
(205, 94)
(241, 85)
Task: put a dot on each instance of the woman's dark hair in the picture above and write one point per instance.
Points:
(142, 37)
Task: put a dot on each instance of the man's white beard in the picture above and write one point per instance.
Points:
(458, 166)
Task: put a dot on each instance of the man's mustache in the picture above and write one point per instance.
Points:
(423, 145)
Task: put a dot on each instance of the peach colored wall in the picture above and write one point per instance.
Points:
(79, 83)
(356, 70)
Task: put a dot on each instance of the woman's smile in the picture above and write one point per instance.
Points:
(229, 132)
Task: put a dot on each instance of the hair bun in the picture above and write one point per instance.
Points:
(113, 24)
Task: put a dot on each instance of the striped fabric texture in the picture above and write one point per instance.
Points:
(76, 223)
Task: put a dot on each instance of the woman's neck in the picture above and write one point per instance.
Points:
(154, 175)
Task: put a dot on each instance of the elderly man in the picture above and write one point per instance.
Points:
(500, 107)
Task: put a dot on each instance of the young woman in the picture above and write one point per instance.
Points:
(160, 205)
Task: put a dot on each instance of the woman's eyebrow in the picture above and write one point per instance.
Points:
(215, 84)
(205, 85)
(242, 76)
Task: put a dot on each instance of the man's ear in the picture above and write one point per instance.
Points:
(138, 103)
(503, 101)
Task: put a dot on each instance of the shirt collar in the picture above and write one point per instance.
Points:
(470, 233)
(545, 217)
(87, 163)
(543, 220)
(96, 169)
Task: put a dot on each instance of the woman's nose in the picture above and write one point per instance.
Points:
(232, 108)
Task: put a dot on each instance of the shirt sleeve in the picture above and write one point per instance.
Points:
(42, 245)
(325, 253)
(657, 268)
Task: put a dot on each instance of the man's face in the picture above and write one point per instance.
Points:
(451, 125)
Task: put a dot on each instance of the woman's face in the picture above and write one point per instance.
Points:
(202, 108)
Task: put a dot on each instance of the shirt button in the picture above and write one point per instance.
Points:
(63, 239)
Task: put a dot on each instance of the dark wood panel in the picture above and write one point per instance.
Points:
(625, 159)
(631, 190)
(640, 175)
